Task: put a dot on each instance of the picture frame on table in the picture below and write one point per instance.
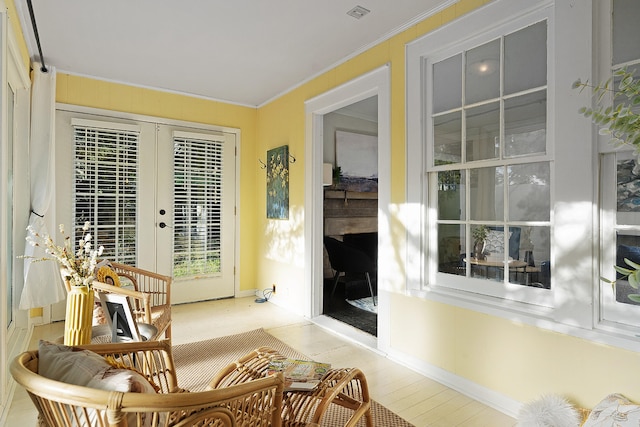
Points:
(117, 310)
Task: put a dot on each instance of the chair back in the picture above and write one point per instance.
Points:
(254, 404)
(346, 258)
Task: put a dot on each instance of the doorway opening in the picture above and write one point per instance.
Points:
(350, 101)
(350, 215)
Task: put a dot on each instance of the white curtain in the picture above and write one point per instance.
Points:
(42, 282)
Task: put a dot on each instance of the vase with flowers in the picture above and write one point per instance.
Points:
(78, 269)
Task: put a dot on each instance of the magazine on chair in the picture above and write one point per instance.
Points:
(299, 375)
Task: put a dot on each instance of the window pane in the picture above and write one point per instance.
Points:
(530, 252)
(451, 195)
(525, 58)
(625, 31)
(447, 137)
(628, 193)
(447, 84)
(450, 243)
(525, 124)
(482, 74)
(487, 194)
(529, 192)
(627, 246)
(483, 130)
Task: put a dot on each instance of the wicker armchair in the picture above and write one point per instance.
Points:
(252, 404)
(149, 294)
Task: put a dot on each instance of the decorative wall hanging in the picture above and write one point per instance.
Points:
(357, 160)
(278, 183)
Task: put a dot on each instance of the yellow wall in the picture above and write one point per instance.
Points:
(87, 92)
(519, 361)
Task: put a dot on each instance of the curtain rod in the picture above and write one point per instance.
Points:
(35, 32)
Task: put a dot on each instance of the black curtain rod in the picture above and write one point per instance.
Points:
(35, 32)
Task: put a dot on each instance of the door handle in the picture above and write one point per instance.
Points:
(164, 225)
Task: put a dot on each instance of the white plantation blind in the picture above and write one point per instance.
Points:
(198, 166)
(105, 186)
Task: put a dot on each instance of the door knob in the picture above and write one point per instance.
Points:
(164, 225)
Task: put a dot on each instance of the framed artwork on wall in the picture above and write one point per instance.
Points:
(278, 183)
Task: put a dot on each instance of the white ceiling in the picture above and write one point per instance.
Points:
(240, 51)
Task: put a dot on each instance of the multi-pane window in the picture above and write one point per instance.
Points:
(198, 166)
(620, 190)
(105, 188)
(488, 164)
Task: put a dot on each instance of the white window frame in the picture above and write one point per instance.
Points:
(13, 338)
(431, 277)
(612, 316)
(573, 192)
(504, 290)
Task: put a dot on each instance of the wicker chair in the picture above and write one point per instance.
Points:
(150, 295)
(252, 404)
(343, 389)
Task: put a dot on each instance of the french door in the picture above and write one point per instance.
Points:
(161, 196)
(195, 212)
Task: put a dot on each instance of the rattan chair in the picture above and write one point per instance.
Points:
(149, 294)
(341, 389)
(251, 404)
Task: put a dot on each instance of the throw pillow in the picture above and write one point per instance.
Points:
(494, 242)
(614, 410)
(548, 411)
(85, 368)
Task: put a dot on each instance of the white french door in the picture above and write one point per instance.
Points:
(163, 197)
(195, 212)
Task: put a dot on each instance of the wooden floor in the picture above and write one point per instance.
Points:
(414, 397)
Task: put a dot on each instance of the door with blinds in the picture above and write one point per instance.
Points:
(158, 196)
(195, 212)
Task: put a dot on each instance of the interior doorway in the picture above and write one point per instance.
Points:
(348, 100)
(350, 215)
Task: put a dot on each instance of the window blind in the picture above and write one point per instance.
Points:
(198, 188)
(105, 188)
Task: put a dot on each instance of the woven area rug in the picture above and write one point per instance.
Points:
(196, 363)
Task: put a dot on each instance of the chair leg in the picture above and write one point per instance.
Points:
(370, 287)
(336, 277)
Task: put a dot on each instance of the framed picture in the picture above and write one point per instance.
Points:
(120, 319)
(278, 183)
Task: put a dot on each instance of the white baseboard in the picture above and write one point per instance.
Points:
(475, 391)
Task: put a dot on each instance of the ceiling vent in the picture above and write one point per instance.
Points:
(358, 12)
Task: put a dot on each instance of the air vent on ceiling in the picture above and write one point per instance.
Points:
(358, 12)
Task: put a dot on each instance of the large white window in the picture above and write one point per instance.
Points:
(487, 164)
(620, 179)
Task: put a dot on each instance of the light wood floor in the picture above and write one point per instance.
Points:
(416, 398)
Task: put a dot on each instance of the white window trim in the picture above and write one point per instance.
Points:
(574, 230)
(611, 316)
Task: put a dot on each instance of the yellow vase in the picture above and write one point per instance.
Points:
(79, 318)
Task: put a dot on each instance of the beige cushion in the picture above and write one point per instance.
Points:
(614, 410)
(86, 368)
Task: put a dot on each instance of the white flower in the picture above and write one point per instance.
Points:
(80, 265)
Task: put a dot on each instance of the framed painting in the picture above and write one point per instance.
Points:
(278, 183)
